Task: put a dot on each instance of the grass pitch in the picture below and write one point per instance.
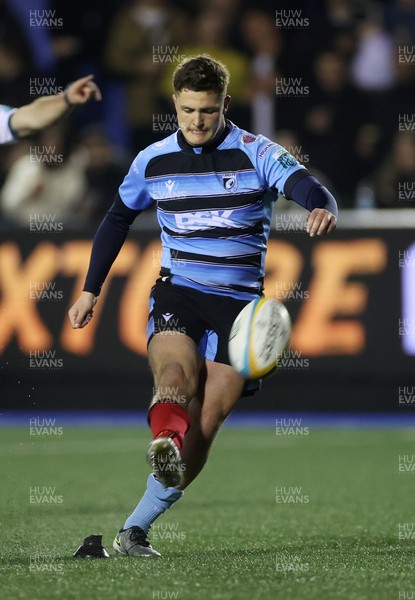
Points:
(321, 516)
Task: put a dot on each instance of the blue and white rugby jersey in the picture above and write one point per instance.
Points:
(6, 134)
(212, 206)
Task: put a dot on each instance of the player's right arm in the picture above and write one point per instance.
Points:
(131, 199)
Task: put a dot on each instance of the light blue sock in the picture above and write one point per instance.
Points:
(155, 501)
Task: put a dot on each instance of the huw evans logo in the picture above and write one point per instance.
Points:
(45, 154)
(291, 19)
(407, 395)
(407, 122)
(45, 18)
(406, 54)
(44, 86)
(406, 327)
(44, 222)
(406, 191)
(291, 87)
(167, 54)
(166, 190)
(406, 531)
(290, 427)
(165, 594)
(168, 531)
(291, 222)
(45, 563)
(290, 564)
(45, 359)
(44, 427)
(166, 394)
(162, 327)
(164, 123)
(44, 290)
(293, 359)
(163, 465)
(406, 258)
(288, 290)
(164, 256)
(44, 495)
(406, 463)
(291, 495)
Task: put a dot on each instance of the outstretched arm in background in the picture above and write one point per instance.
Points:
(42, 112)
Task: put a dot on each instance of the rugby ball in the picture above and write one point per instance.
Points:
(259, 335)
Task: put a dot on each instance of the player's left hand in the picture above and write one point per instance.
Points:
(83, 90)
(320, 222)
(82, 311)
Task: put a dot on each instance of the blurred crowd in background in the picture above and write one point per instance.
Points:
(328, 85)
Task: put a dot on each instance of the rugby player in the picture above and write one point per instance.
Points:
(21, 122)
(209, 181)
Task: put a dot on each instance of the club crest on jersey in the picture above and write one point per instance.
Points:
(229, 181)
(247, 139)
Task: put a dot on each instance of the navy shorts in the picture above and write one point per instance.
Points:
(206, 318)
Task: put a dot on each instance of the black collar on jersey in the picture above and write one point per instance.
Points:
(210, 147)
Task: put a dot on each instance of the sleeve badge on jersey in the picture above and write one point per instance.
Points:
(285, 158)
(229, 181)
(247, 139)
(265, 149)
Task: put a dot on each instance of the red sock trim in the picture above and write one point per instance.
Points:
(170, 419)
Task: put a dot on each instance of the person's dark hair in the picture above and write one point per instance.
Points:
(201, 74)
